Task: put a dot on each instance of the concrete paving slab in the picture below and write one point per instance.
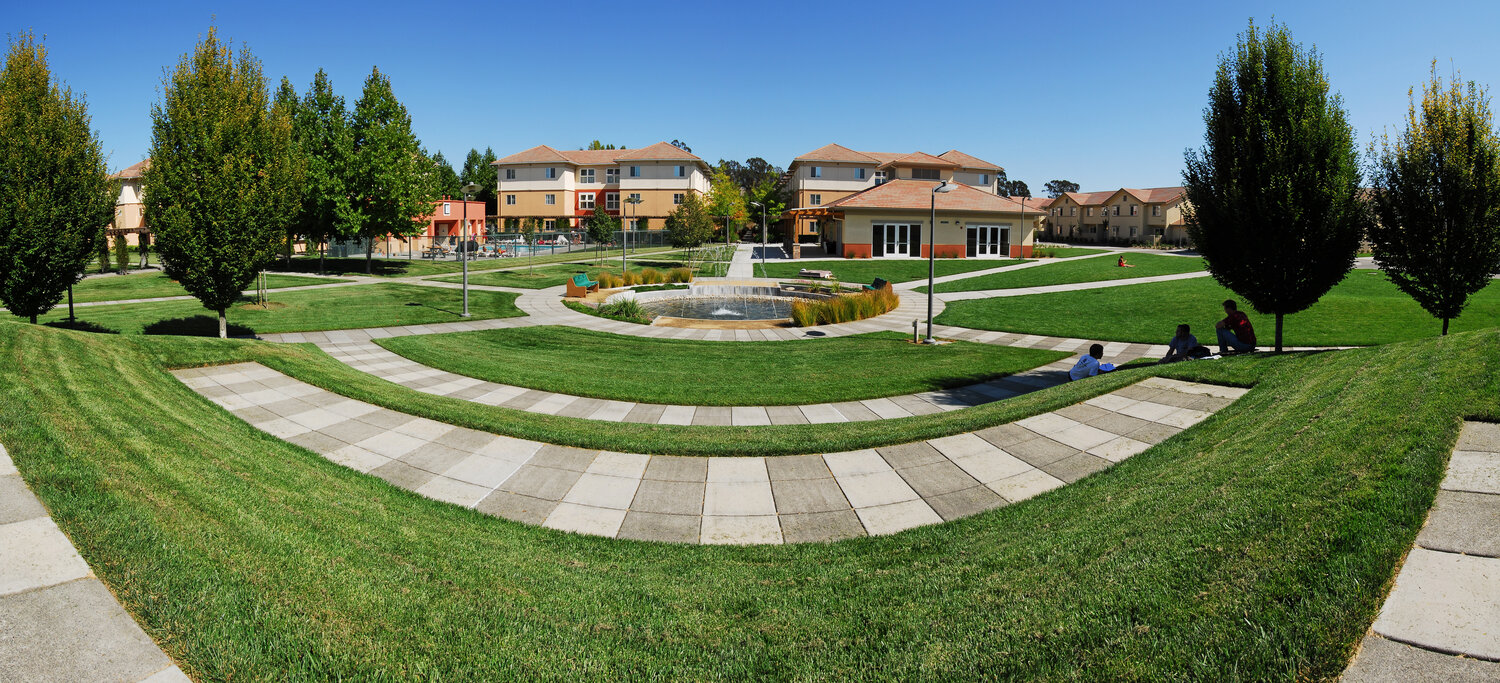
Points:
(1479, 436)
(1445, 602)
(937, 478)
(34, 553)
(821, 527)
(547, 483)
(669, 497)
(74, 632)
(737, 470)
(1075, 467)
(1463, 522)
(738, 498)
(1386, 661)
(741, 530)
(585, 519)
(517, 507)
(1474, 471)
(797, 467)
(16, 502)
(796, 496)
(662, 528)
(1025, 485)
(453, 491)
(677, 468)
(964, 502)
(897, 517)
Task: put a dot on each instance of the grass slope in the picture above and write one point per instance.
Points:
(681, 372)
(157, 284)
(335, 308)
(1363, 309)
(1087, 270)
(551, 276)
(864, 271)
(1257, 545)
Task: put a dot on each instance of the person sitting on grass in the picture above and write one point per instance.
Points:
(1122, 264)
(1235, 333)
(1180, 346)
(1089, 365)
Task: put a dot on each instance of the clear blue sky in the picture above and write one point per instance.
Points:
(1106, 94)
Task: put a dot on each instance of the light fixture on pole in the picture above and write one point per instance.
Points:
(762, 238)
(944, 187)
(463, 249)
(632, 200)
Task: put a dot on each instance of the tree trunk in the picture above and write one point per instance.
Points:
(369, 255)
(71, 319)
(322, 255)
(1278, 333)
(1445, 327)
(33, 318)
(223, 325)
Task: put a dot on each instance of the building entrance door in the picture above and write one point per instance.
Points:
(895, 239)
(988, 240)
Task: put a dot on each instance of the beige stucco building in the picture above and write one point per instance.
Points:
(129, 205)
(560, 186)
(1123, 215)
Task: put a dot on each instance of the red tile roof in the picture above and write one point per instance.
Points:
(966, 161)
(1156, 195)
(836, 153)
(918, 194)
(542, 154)
(920, 159)
(133, 171)
(1038, 202)
(660, 151)
(1090, 198)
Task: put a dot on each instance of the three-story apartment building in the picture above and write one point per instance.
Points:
(1126, 214)
(559, 186)
(833, 172)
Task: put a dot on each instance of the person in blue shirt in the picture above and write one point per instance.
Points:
(1088, 365)
(1180, 345)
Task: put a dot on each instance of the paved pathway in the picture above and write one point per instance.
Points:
(1446, 600)
(57, 620)
(745, 500)
(741, 266)
(1069, 287)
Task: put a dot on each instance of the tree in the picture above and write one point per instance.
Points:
(1437, 197)
(1017, 188)
(478, 169)
(690, 225)
(1274, 192)
(529, 228)
(55, 193)
(223, 181)
(599, 145)
(323, 138)
(752, 173)
(392, 183)
(682, 146)
(725, 199)
(445, 179)
(1057, 188)
(601, 227)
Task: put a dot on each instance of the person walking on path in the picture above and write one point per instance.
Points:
(1235, 332)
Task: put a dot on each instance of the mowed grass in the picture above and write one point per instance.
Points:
(1257, 545)
(1067, 252)
(153, 285)
(418, 266)
(1094, 269)
(334, 308)
(864, 271)
(681, 372)
(1364, 309)
(524, 277)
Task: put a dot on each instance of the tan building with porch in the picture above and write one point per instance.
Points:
(894, 220)
(129, 204)
(560, 186)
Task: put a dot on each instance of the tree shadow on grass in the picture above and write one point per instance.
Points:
(195, 326)
(81, 326)
(435, 308)
(340, 266)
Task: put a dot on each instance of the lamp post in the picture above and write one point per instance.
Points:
(945, 188)
(463, 249)
(762, 237)
(632, 200)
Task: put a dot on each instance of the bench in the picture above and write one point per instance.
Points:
(879, 284)
(818, 274)
(434, 252)
(580, 285)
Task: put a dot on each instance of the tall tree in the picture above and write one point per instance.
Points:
(726, 201)
(690, 225)
(478, 170)
(682, 146)
(392, 183)
(1437, 196)
(752, 173)
(1016, 188)
(595, 145)
(601, 227)
(1057, 188)
(223, 181)
(1274, 192)
(445, 179)
(323, 136)
(55, 194)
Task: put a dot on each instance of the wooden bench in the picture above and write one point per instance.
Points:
(580, 285)
(818, 274)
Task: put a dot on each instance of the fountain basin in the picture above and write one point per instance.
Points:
(769, 306)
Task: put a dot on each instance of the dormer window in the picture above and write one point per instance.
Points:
(880, 177)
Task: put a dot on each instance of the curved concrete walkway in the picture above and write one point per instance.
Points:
(1441, 621)
(744, 500)
(58, 622)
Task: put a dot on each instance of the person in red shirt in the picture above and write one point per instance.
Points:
(1235, 332)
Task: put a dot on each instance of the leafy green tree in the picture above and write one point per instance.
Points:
(1437, 197)
(392, 183)
(224, 178)
(726, 201)
(682, 146)
(445, 178)
(1274, 192)
(595, 145)
(101, 253)
(325, 141)
(601, 227)
(55, 193)
(1057, 188)
(1016, 188)
(478, 169)
(529, 227)
(122, 254)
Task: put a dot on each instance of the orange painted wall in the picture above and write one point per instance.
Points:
(856, 251)
(947, 251)
(1020, 251)
(453, 222)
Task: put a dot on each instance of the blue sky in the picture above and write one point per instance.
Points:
(1105, 94)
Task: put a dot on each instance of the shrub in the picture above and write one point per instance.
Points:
(845, 308)
(680, 275)
(103, 254)
(122, 255)
(608, 280)
(652, 276)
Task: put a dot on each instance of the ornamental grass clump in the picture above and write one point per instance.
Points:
(680, 275)
(608, 280)
(846, 308)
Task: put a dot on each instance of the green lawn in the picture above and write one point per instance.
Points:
(1364, 309)
(1067, 252)
(1257, 545)
(335, 308)
(400, 267)
(1087, 270)
(680, 372)
(551, 276)
(864, 271)
(157, 284)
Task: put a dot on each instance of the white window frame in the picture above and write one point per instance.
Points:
(611, 201)
(815, 171)
(815, 200)
(510, 200)
(586, 176)
(551, 200)
(585, 200)
(681, 171)
(611, 176)
(551, 173)
(880, 177)
(510, 174)
(549, 224)
(447, 209)
(635, 171)
(678, 197)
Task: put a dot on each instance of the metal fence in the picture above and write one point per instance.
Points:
(488, 245)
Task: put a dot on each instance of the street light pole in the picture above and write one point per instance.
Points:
(463, 249)
(943, 187)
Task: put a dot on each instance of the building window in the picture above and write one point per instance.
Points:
(447, 209)
(984, 179)
(880, 177)
(551, 173)
(859, 174)
(510, 200)
(551, 200)
(549, 224)
(611, 175)
(1091, 211)
(1133, 209)
(510, 174)
(1156, 210)
(585, 200)
(1117, 209)
(681, 171)
(612, 201)
(925, 174)
(812, 227)
(1072, 211)
(586, 175)
(635, 171)
(677, 198)
(635, 196)
(1132, 231)
(814, 171)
